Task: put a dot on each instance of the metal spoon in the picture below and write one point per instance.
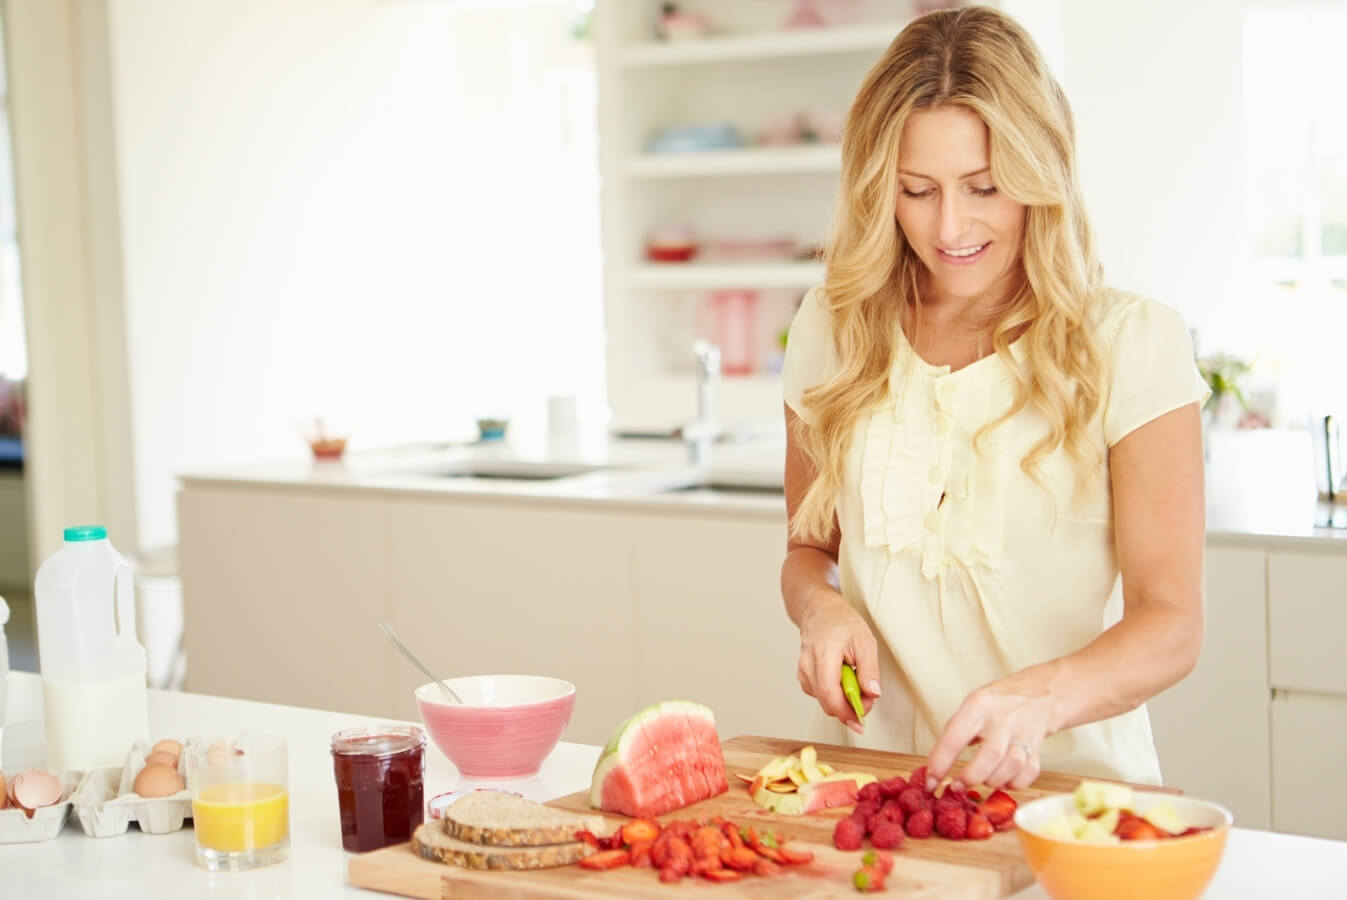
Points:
(402, 648)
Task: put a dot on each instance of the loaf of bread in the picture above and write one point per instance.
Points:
(430, 842)
(504, 820)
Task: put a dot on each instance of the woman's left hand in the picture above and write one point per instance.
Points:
(1009, 719)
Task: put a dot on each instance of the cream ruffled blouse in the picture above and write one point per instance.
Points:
(965, 567)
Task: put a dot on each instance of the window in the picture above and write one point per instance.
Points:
(1294, 72)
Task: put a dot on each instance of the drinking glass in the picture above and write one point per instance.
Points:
(240, 801)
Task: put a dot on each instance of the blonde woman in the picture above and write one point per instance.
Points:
(983, 437)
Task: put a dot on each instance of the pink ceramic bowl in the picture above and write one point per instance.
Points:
(506, 725)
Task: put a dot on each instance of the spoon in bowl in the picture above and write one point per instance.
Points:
(402, 648)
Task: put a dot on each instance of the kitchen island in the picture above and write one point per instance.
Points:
(133, 866)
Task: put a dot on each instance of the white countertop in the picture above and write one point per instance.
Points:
(1260, 484)
(134, 866)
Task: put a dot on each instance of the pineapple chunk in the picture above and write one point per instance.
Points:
(1092, 797)
(1108, 820)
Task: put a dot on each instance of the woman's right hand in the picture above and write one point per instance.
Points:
(833, 633)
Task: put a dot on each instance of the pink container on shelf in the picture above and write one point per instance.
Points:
(504, 728)
(734, 314)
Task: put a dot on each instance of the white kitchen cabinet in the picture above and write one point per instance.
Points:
(1309, 781)
(1211, 729)
(283, 590)
(710, 623)
(480, 587)
(1307, 617)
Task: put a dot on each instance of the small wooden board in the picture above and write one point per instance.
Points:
(935, 867)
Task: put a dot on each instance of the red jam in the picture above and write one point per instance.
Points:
(380, 784)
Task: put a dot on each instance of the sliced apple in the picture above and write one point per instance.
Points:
(1058, 828)
(1108, 820)
(826, 769)
(1166, 818)
(1092, 797)
(1093, 832)
(778, 767)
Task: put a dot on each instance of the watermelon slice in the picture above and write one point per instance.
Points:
(665, 757)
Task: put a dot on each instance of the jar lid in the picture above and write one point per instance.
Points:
(380, 740)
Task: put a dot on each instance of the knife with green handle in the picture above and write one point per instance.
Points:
(851, 688)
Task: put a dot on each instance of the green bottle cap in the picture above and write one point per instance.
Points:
(86, 533)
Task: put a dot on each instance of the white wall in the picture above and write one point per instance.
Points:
(319, 199)
(1155, 86)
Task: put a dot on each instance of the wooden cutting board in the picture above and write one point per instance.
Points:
(935, 867)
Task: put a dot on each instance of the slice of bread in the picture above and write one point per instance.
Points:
(504, 820)
(431, 843)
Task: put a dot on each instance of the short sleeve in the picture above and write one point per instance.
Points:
(810, 357)
(1153, 370)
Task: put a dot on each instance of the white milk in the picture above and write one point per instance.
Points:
(92, 724)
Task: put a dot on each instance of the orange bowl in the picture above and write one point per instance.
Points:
(1171, 869)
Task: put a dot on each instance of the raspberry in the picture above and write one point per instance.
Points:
(952, 824)
(871, 791)
(892, 787)
(883, 817)
(921, 823)
(887, 836)
(866, 808)
(849, 834)
(911, 800)
(948, 800)
(918, 778)
(979, 829)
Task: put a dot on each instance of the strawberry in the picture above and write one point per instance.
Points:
(606, 859)
(639, 830)
(670, 875)
(741, 860)
(911, 800)
(1004, 826)
(887, 836)
(849, 834)
(868, 879)
(920, 824)
(973, 795)
(765, 868)
(1136, 828)
(878, 859)
(721, 875)
(640, 854)
(796, 857)
(588, 837)
(979, 829)
(952, 824)
(999, 807)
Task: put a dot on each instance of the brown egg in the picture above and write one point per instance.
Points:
(168, 744)
(157, 780)
(163, 757)
(36, 788)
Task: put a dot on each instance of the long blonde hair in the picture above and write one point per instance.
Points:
(982, 60)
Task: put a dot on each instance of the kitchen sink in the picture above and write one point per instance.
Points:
(516, 470)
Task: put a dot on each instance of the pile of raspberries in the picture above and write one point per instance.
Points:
(888, 811)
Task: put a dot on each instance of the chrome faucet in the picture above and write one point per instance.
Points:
(701, 433)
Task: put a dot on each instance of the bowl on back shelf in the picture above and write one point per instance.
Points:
(1172, 868)
(506, 725)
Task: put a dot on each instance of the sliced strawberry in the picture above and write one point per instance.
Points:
(765, 868)
(795, 857)
(640, 830)
(878, 859)
(868, 879)
(606, 859)
(999, 807)
(721, 875)
(1138, 829)
(670, 875)
(588, 837)
(640, 855)
(731, 832)
(979, 828)
(742, 859)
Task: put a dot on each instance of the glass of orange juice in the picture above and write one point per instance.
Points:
(240, 801)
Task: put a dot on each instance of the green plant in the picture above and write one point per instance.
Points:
(1224, 374)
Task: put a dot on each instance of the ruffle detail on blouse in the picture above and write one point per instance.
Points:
(919, 448)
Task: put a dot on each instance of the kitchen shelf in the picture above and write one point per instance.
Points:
(748, 161)
(710, 276)
(870, 37)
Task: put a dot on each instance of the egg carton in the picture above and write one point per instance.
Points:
(47, 821)
(106, 805)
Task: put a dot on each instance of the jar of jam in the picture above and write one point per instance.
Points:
(380, 784)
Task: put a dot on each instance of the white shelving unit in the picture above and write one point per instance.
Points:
(749, 73)
(748, 161)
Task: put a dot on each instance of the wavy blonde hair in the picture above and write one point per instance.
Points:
(982, 60)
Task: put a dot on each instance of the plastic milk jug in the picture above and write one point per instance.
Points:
(93, 668)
